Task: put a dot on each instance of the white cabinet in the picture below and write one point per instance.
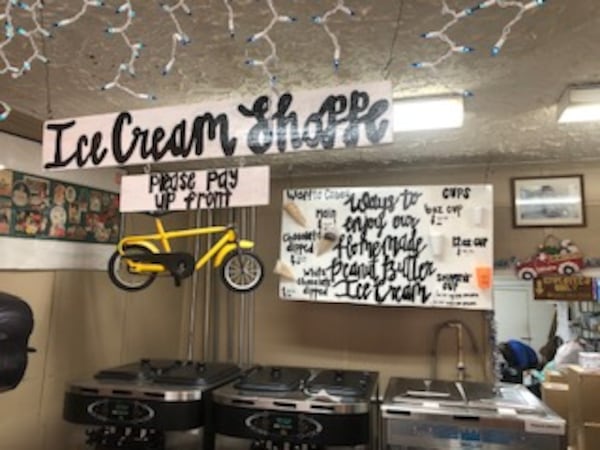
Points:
(518, 315)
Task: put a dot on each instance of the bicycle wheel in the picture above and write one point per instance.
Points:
(122, 277)
(242, 271)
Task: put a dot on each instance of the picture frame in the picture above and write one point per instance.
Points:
(548, 201)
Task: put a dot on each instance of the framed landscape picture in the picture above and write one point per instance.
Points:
(554, 201)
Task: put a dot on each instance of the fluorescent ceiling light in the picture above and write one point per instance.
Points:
(428, 113)
(579, 104)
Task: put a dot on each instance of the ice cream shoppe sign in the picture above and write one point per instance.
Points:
(337, 117)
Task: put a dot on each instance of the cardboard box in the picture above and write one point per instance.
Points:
(584, 401)
(584, 394)
(589, 436)
(556, 376)
(556, 396)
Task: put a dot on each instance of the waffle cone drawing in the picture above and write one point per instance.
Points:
(284, 270)
(327, 242)
(295, 213)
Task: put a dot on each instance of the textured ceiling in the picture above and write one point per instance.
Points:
(511, 117)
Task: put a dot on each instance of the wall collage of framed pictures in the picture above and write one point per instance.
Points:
(36, 207)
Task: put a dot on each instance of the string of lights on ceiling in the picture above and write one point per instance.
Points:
(266, 63)
(458, 15)
(230, 19)
(323, 21)
(13, 31)
(36, 32)
(6, 109)
(84, 8)
(179, 37)
(127, 67)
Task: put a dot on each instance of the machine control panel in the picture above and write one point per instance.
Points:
(130, 412)
(276, 425)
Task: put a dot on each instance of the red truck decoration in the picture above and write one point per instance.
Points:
(553, 257)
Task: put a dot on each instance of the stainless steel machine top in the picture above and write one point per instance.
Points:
(170, 372)
(434, 414)
(320, 391)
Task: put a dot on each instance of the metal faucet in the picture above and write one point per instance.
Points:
(460, 328)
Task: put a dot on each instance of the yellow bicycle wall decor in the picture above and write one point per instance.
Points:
(139, 259)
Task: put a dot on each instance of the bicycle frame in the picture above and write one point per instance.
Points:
(227, 243)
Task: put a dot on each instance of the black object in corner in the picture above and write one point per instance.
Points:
(16, 325)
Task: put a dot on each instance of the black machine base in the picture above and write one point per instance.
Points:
(167, 416)
(292, 428)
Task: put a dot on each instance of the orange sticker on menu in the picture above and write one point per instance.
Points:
(484, 277)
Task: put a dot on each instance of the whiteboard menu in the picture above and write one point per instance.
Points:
(422, 246)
